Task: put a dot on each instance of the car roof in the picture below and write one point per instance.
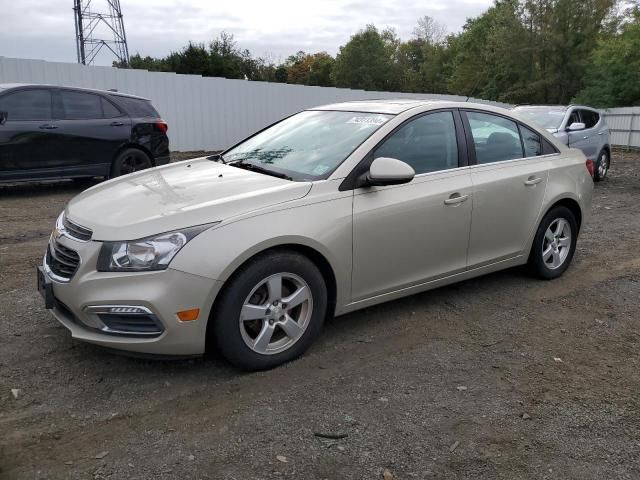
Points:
(9, 86)
(399, 105)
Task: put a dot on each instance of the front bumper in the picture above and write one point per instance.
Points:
(161, 293)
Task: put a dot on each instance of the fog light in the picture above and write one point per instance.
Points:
(188, 315)
(128, 310)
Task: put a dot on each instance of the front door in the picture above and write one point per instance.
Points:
(28, 137)
(407, 234)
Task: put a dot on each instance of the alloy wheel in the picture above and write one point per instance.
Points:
(133, 163)
(556, 244)
(276, 313)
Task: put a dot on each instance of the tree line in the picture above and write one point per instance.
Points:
(518, 51)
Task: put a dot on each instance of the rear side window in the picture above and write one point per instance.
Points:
(427, 143)
(108, 109)
(589, 118)
(495, 138)
(137, 107)
(80, 105)
(27, 105)
(531, 142)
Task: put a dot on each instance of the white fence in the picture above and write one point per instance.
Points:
(203, 113)
(624, 125)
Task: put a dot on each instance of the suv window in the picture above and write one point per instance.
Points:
(137, 107)
(427, 143)
(27, 105)
(574, 118)
(108, 109)
(589, 118)
(80, 105)
(495, 138)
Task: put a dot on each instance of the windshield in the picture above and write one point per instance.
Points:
(546, 117)
(309, 145)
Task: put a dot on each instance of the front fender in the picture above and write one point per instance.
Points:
(325, 227)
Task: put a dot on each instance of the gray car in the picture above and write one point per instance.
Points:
(576, 126)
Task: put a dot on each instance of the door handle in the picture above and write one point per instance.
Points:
(601, 133)
(532, 181)
(116, 124)
(585, 137)
(48, 126)
(455, 199)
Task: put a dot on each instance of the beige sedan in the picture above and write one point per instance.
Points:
(328, 211)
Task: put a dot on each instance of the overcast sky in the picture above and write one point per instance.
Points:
(44, 29)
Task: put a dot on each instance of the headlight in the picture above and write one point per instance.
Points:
(146, 254)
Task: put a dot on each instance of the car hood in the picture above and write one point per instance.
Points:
(175, 196)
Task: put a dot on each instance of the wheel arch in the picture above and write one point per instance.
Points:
(313, 254)
(571, 204)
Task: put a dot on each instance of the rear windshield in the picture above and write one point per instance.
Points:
(137, 107)
(545, 117)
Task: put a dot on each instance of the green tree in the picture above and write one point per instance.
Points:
(612, 79)
(368, 61)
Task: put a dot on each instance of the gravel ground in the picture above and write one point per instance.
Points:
(501, 377)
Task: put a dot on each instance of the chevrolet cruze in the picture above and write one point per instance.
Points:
(328, 211)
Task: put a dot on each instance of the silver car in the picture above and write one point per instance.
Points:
(328, 211)
(576, 126)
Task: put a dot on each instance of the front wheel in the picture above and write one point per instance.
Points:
(554, 244)
(129, 161)
(270, 311)
(602, 166)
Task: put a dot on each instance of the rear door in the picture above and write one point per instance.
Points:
(29, 134)
(92, 129)
(595, 132)
(509, 180)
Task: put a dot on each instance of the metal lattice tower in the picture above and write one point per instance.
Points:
(97, 28)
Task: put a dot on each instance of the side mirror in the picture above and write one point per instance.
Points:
(576, 126)
(389, 171)
(3, 117)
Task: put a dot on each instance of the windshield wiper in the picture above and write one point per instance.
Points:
(257, 168)
(216, 157)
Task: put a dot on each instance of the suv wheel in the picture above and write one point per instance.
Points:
(554, 244)
(270, 311)
(129, 161)
(602, 166)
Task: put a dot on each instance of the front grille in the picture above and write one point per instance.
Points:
(76, 231)
(62, 261)
(131, 324)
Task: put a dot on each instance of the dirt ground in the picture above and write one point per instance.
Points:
(501, 377)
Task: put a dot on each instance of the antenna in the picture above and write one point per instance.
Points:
(97, 28)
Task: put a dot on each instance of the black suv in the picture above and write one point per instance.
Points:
(51, 132)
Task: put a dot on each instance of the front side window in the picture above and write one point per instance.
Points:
(574, 118)
(27, 105)
(496, 139)
(307, 146)
(589, 118)
(427, 143)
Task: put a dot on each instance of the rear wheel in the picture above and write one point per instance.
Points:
(554, 244)
(270, 311)
(129, 161)
(602, 166)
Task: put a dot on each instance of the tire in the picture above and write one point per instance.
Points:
(251, 323)
(129, 161)
(601, 168)
(558, 229)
